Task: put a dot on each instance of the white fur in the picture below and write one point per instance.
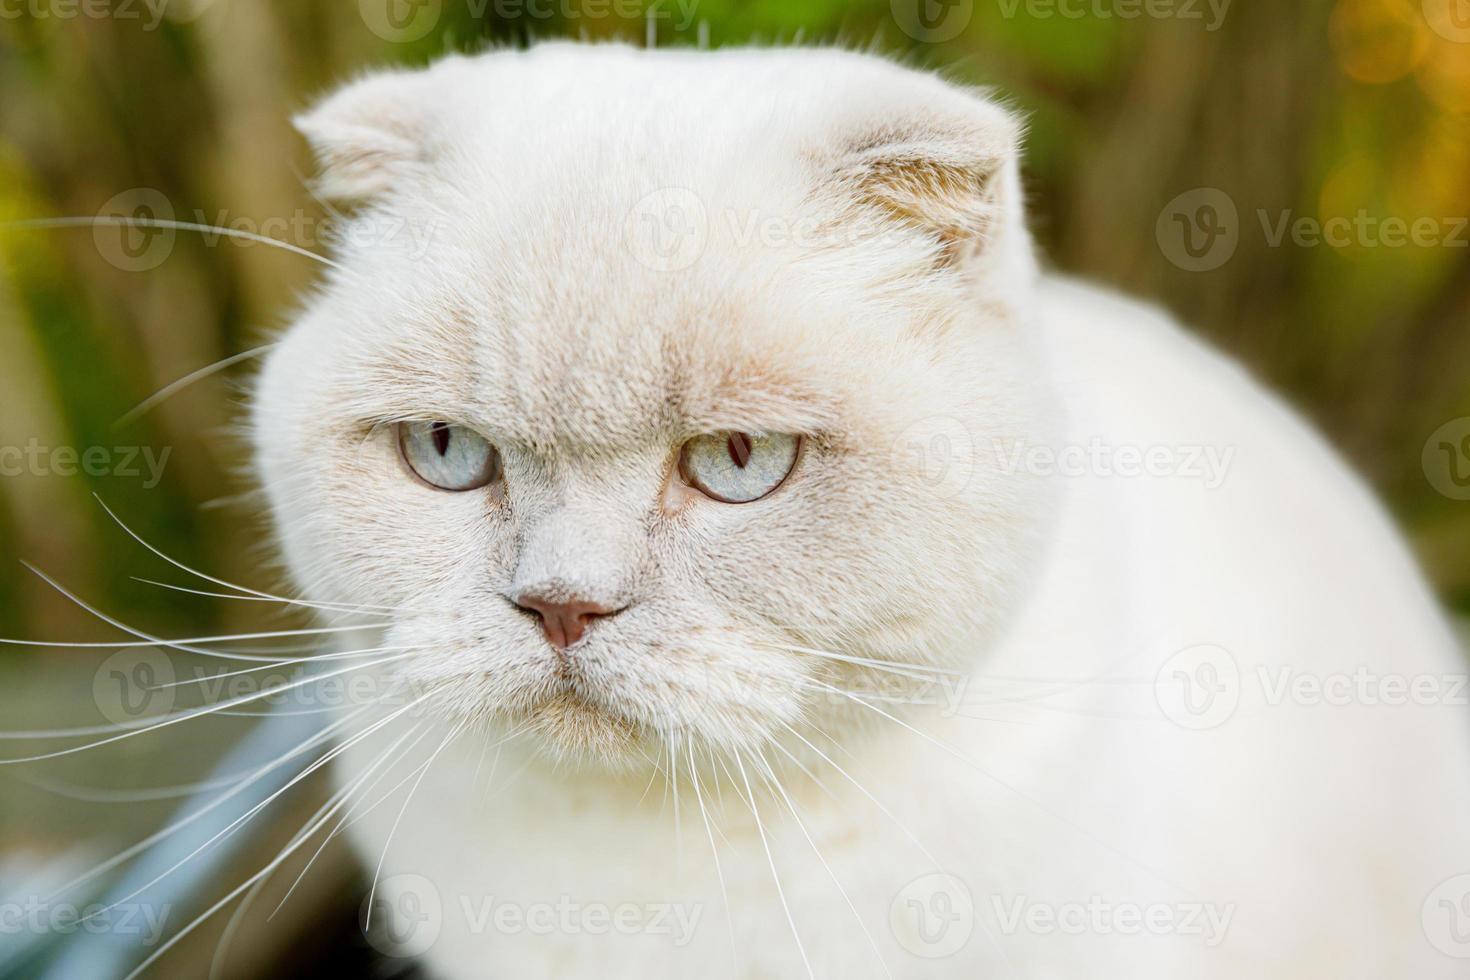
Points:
(905, 318)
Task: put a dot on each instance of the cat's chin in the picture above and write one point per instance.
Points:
(575, 730)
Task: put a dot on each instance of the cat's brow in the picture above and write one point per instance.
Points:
(602, 403)
(770, 412)
(757, 396)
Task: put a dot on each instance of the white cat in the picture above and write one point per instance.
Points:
(782, 578)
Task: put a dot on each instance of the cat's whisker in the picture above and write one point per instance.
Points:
(860, 788)
(315, 822)
(210, 578)
(771, 779)
(167, 224)
(275, 653)
(956, 700)
(278, 713)
(392, 831)
(811, 776)
(243, 784)
(181, 716)
(418, 730)
(169, 390)
(951, 704)
(44, 734)
(1060, 681)
(245, 817)
(484, 792)
(349, 820)
(182, 644)
(514, 775)
(835, 742)
(771, 860)
(344, 655)
(654, 771)
(678, 829)
(1082, 831)
(227, 936)
(99, 794)
(188, 645)
(343, 607)
(719, 787)
(661, 769)
(902, 828)
(1037, 703)
(479, 765)
(715, 854)
(1147, 717)
(907, 670)
(882, 698)
(1058, 686)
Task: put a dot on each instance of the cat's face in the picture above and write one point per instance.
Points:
(743, 449)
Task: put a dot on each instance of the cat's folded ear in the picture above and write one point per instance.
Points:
(369, 135)
(946, 165)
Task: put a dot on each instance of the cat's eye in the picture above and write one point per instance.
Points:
(447, 456)
(736, 467)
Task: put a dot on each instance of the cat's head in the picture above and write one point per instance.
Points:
(654, 388)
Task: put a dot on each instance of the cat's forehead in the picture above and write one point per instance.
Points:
(608, 360)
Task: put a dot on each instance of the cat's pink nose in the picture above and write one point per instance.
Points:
(562, 622)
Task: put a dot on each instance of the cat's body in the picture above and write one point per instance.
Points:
(1130, 785)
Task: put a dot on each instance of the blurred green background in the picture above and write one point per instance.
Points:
(1314, 109)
